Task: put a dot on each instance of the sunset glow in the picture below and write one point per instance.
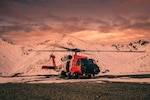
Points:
(101, 21)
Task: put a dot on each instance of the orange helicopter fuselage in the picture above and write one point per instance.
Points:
(76, 64)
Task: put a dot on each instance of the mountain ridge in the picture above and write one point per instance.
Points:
(20, 58)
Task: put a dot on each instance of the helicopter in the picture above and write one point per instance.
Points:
(77, 66)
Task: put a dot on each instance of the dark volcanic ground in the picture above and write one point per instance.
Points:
(75, 91)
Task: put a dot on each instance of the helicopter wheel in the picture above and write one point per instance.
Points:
(93, 76)
(75, 75)
(69, 76)
(63, 74)
(89, 76)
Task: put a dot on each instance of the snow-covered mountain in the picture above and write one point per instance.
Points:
(20, 57)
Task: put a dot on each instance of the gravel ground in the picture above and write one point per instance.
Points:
(75, 91)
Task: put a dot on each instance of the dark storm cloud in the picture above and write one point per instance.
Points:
(139, 25)
(69, 16)
(9, 28)
(135, 22)
(65, 28)
(80, 7)
(30, 1)
(133, 7)
(142, 17)
(120, 21)
(123, 23)
(4, 29)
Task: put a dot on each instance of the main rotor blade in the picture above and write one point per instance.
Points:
(50, 50)
(63, 47)
(78, 50)
(111, 51)
(81, 50)
(69, 49)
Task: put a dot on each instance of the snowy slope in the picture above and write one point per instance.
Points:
(19, 57)
(9, 55)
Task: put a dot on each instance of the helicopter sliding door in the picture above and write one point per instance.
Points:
(84, 66)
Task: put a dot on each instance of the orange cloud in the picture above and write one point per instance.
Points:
(94, 36)
(91, 20)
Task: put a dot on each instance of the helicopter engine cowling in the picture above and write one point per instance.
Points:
(66, 58)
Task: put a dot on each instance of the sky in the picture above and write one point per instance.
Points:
(95, 21)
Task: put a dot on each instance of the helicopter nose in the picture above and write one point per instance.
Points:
(96, 70)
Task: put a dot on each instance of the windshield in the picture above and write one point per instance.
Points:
(87, 61)
(92, 61)
(84, 61)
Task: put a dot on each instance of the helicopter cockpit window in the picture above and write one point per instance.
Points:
(91, 61)
(84, 61)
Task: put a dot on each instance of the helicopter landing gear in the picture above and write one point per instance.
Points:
(75, 75)
(68, 75)
(88, 76)
(65, 75)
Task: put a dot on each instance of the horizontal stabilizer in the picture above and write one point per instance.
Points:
(48, 67)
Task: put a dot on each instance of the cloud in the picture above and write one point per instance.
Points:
(105, 17)
(139, 26)
(125, 36)
(132, 7)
